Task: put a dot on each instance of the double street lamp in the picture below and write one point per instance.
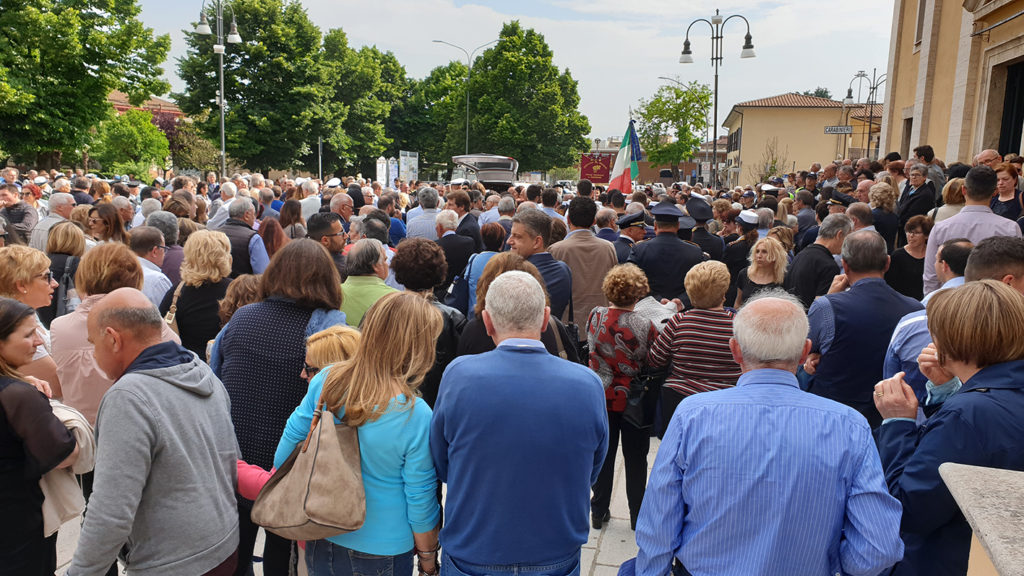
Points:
(203, 28)
(717, 23)
(469, 70)
(873, 85)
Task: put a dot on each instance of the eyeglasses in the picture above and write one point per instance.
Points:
(48, 275)
(342, 233)
(93, 220)
(311, 370)
(164, 248)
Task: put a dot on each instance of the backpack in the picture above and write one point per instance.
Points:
(66, 297)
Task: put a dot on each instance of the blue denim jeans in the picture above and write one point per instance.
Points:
(566, 567)
(325, 558)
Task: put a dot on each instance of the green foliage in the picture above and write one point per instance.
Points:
(774, 161)
(190, 149)
(279, 92)
(820, 92)
(521, 105)
(430, 118)
(130, 140)
(59, 59)
(679, 111)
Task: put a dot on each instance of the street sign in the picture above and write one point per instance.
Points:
(838, 129)
(705, 167)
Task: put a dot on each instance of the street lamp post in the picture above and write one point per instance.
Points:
(717, 23)
(203, 28)
(469, 71)
(873, 85)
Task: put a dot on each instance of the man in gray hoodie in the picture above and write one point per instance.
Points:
(166, 456)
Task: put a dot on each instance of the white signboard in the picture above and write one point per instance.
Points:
(408, 165)
(838, 129)
(382, 171)
(392, 171)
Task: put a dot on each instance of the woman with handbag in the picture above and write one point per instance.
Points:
(619, 338)
(375, 392)
(191, 307)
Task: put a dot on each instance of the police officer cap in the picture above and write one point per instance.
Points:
(699, 210)
(134, 183)
(631, 220)
(666, 212)
(840, 199)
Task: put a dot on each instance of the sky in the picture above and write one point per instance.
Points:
(615, 50)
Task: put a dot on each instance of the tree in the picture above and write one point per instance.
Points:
(189, 148)
(820, 92)
(429, 117)
(522, 106)
(278, 90)
(772, 163)
(59, 60)
(125, 142)
(679, 111)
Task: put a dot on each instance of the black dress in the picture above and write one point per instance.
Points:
(905, 274)
(32, 442)
(197, 318)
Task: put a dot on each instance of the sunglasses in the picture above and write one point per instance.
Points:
(311, 370)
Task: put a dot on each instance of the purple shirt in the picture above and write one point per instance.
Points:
(972, 222)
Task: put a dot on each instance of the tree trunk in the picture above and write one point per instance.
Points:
(48, 160)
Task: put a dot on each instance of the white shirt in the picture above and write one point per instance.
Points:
(155, 283)
(310, 206)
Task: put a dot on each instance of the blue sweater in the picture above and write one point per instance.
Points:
(519, 436)
(398, 474)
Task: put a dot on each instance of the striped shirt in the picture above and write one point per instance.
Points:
(697, 343)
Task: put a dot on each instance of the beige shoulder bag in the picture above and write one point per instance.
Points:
(172, 312)
(318, 491)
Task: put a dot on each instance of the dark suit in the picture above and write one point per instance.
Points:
(470, 228)
(607, 234)
(666, 259)
(708, 242)
(910, 205)
(623, 247)
(457, 250)
(557, 279)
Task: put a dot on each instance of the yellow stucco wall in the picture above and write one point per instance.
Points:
(901, 86)
(945, 69)
(800, 133)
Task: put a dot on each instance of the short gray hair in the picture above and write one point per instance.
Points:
(62, 184)
(228, 190)
(266, 195)
(310, 187)
(240, 207)
(339, 199)
(515, 303)
(166, 223)
(119, 202)
(606, 217)
(507, 205)
(141, 323)
(428, 197)
(256, 180)
(61, 199)
(447, 219)
(771, 332)
(634, 208)
(150, 205)
(765, 217)
(833, 225)
(865, 251)
(364, 255)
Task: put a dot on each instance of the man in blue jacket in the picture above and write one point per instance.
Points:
(519, 436)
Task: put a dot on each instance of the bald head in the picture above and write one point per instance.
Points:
(770, 331)
(121, 325)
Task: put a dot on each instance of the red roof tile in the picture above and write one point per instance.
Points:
(791, 100)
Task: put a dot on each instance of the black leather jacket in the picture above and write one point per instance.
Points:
(447, 346)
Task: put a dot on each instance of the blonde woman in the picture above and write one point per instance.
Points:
(882, 198)
(767, 270)
(327, 347)
(80, 216)
(375, 391)
(65, 247)
(952, 200)
(25, 276)
(204, 281)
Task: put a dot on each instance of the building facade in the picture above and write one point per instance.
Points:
(955, 78)
(782, 134)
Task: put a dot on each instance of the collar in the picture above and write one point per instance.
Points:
(768, 376)
(522, 343)
(461, 218)
(1002, 375)
(147, 264)
(363, 280)
(160, 355)
(953, 282)
(976, 208)
(448, 233)
(571, 232)
(865, 281)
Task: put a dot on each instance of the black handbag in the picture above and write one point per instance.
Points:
(582, 348)
(458, 292)
(642, 398)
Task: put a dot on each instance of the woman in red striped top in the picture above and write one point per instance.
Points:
(696, 341)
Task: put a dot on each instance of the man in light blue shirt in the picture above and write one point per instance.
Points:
(422, 225)
(764, 478)
(147, 243)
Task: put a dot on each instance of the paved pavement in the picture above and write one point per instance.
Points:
(602, 554)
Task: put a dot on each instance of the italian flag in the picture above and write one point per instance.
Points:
(626, 169)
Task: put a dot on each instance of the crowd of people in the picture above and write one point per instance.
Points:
(805, 347)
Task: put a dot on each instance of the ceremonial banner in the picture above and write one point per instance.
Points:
(596, 167)
(626, 168)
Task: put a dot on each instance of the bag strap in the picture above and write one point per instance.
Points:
(321, 405)
(174, 300)
(469, 266)
(67, 264)
(558, 337)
